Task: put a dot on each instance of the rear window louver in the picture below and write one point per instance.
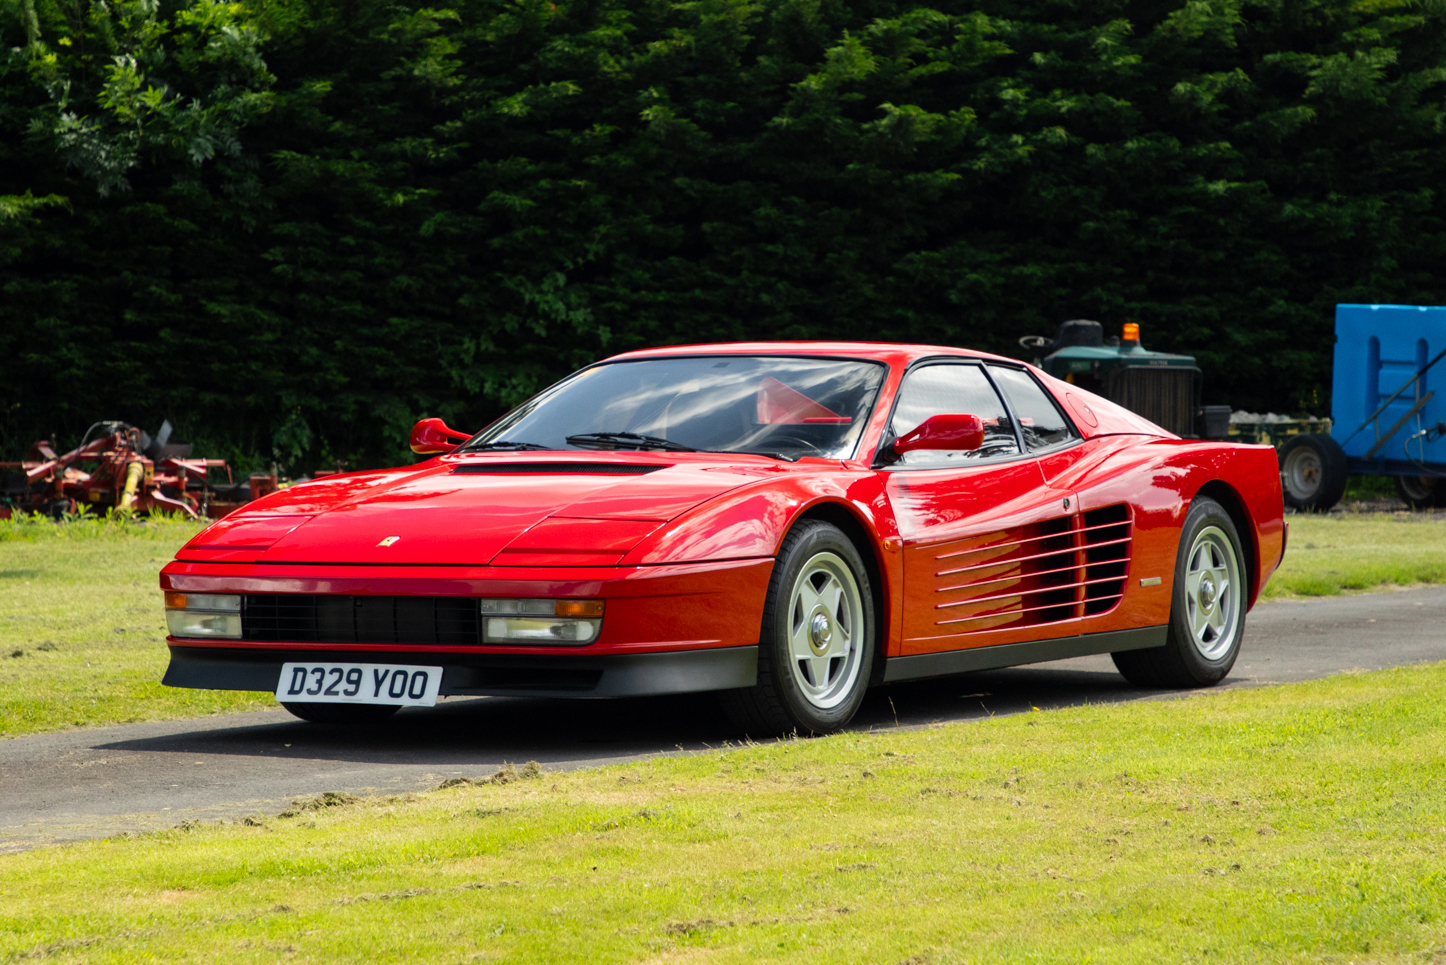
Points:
(1046, 572)
(555, 468)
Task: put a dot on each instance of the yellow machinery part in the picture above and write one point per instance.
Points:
(134, 472)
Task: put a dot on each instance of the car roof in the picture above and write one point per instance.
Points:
(892, 353)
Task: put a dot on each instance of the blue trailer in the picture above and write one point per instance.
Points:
(1388, 409)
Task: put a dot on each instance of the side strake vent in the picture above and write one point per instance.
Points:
(1107, 557)
(299, 618)
(554, 468)
(1059, 569)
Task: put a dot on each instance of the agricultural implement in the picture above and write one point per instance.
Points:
(116, 466)
(1386, 419)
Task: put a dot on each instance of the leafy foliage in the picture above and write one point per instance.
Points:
(296, 226)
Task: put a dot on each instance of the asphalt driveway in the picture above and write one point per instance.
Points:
(94, 783)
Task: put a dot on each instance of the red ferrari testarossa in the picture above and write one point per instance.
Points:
(783, 523)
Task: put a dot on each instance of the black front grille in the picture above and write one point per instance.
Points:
(411, 620)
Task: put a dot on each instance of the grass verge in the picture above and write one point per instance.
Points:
(1330, 554)
(82, 630)
(1290, 824)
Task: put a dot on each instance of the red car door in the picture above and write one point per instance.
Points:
(991, 553)
(1105, 521)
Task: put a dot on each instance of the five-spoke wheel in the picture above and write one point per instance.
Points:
(817, 642)
(1212, 592)
(825, 625)
(1207, 610)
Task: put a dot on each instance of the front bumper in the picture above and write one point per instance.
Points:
(487, 674)
(666, 630)
(686, 606)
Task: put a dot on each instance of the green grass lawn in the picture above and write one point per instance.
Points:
(1302, 823)
(1329, 554)
(82, 631)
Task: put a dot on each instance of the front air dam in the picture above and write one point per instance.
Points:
(489, 674)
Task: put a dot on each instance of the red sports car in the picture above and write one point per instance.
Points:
(783, 523)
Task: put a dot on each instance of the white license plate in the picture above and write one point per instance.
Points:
(359, 683)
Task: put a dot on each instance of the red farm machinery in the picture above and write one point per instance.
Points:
(119, 467)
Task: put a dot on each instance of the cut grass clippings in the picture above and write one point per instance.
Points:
(1332, 554)
(82, 629)
(1301, 823)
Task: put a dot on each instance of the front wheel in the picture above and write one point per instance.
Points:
(1207, 608)
(817, 642)
(342, 713)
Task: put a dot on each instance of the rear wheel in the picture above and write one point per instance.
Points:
(1312, 472)
(1207, 611)
(1420, 492)
(817, 642)
(343, 713)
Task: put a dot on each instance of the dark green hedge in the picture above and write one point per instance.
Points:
(373, 212)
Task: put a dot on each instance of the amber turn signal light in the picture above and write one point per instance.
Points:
(175, 601)
(579, 608)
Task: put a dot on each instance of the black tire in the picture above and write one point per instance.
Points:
(1182, 662)
(58, 509)
(1420, 492)
(780, 703)
(1312, 472)
(343, 713)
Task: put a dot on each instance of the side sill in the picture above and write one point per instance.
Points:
(920, 665)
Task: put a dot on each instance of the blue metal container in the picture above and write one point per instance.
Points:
(1384, 351)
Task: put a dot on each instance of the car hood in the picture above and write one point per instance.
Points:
(584, 509)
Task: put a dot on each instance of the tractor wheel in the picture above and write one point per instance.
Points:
(1312, 472)
(1421, 492)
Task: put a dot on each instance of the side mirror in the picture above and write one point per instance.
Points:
(953, 432)
(432, 436)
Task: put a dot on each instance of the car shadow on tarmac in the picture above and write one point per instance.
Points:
(491, 730)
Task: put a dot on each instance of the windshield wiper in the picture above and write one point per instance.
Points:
(773, 455)
(503, 444)
(627, 440)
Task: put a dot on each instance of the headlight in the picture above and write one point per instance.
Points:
(204, 615)
(556, 622)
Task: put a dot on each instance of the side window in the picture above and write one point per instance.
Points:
(1040, 422)
(954, 389)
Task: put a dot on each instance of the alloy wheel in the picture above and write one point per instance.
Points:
(825, 630)
(1212, 593)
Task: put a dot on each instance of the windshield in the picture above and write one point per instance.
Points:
(788, 407)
